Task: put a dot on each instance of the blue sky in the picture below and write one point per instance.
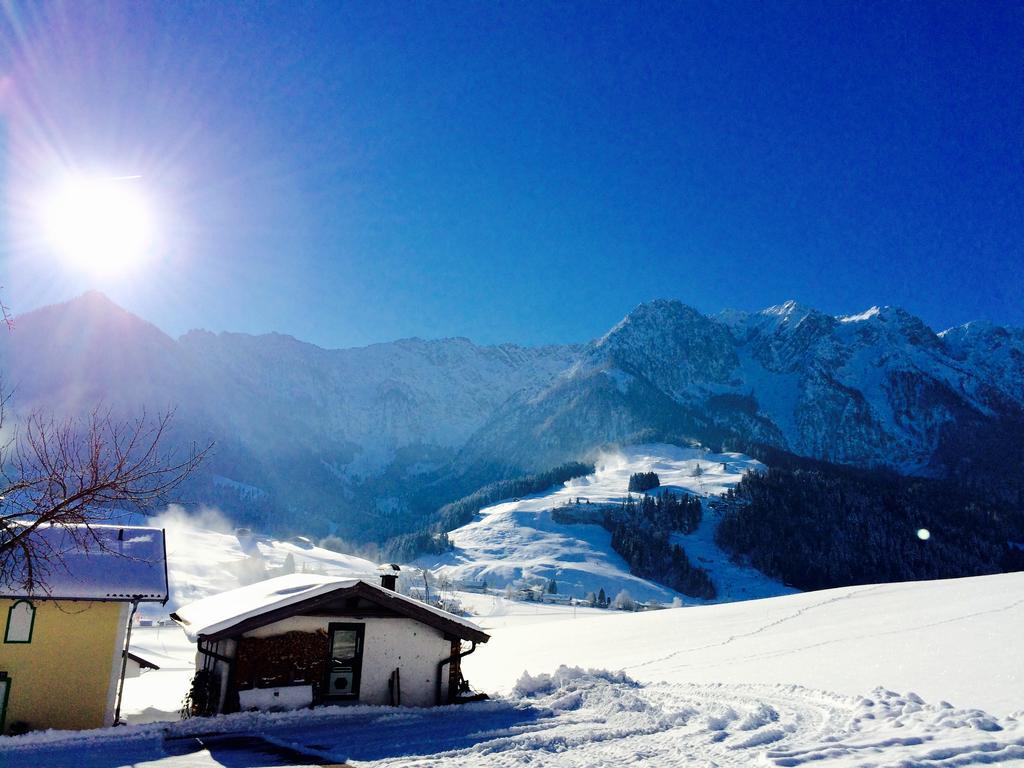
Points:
(528, 172)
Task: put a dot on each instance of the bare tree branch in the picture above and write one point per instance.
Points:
(8, 318)
(74, 473)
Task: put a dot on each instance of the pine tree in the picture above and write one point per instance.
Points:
(643, 481)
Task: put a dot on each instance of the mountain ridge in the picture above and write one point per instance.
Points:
(338, 437)
(97, 299)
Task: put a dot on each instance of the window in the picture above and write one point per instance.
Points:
(20, 620)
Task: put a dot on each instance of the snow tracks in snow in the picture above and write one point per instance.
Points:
(577, 718)
(596, 718)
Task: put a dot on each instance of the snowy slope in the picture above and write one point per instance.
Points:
(915, 674)
(517, 542)
(951, 639)
(204, 557)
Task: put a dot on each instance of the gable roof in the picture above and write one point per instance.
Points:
(95, 562)
(239, 610)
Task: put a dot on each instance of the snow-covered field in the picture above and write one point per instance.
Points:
(518, 542)
(954, 639)
(917, 674)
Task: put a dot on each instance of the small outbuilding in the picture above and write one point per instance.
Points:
(303, 639)
(64, 649)
(136, 665)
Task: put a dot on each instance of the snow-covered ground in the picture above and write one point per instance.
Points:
(496, 612)
(916, 674)
(157, 695)
(518, 542)
(953, 639)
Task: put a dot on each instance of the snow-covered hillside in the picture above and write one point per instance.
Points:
(517, 542)
(952, 639)
(205, 557)
(917, 674)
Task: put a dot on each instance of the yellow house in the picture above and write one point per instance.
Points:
(64, 648)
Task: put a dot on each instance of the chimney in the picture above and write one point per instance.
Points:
(389, 575)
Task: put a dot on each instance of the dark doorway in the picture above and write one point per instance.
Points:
(346, 662)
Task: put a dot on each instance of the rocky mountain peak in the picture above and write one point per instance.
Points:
(669, 343)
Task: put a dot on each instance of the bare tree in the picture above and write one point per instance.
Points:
(5, 312)
(74, 473)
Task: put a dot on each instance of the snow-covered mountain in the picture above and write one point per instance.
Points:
(348, 439)
(296, 428)
(878, 388)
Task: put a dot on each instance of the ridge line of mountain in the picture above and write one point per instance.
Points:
(785, 310)
(367, 438)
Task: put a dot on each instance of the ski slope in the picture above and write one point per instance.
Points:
(517, 542)
(924, 674)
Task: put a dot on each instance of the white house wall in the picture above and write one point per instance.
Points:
(388, 644)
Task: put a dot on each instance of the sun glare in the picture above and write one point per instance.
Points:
(102, 226)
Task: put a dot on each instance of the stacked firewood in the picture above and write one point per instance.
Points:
(292, 658)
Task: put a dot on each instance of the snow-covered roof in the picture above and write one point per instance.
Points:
(222, 611)
(95, 562)
(143, 663)
(219, 613)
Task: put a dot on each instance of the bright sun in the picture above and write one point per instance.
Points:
(102, 226)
